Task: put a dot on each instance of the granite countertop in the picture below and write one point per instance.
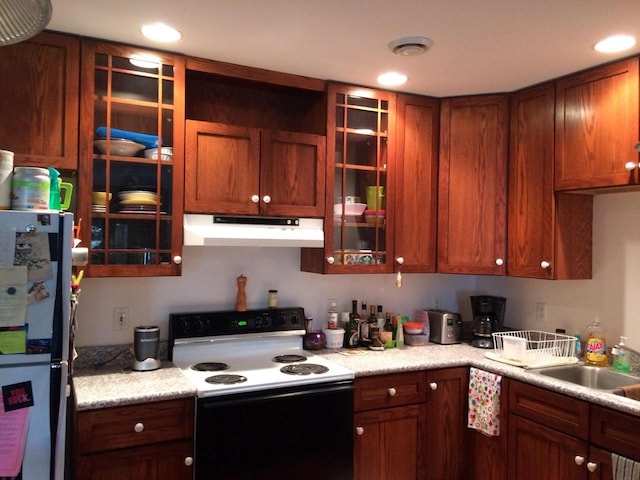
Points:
(108, 387)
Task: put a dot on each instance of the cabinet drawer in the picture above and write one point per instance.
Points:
(554, 410)
(390, 390)
(615, 431)
(120, 427)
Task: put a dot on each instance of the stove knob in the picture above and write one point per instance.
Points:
(294, 319)
(282, 320)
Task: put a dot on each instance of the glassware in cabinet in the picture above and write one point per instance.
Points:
(132, 147)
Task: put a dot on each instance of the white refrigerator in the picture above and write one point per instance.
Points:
(35, 281)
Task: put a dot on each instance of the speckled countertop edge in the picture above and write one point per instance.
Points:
(100, 388)
(434, 356)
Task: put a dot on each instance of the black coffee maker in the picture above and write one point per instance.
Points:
(488, 317)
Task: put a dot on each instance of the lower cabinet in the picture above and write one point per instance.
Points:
(411, 425)
(555, 436)
(389, 427)
(153, 441)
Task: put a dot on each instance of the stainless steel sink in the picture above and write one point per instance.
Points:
(598, 378)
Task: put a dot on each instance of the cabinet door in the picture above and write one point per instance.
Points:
(137, 231)
(222, 169)
(597, 127)
(417, 184)
(292, 172)
(163, 461)
(39, 98)
(472, 185)
(360, 159)
(446, 413)
(537, 452)
(389, 444)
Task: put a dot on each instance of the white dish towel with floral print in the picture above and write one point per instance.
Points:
(484, 402)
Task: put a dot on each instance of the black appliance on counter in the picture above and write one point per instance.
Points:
(266, 408)
(488, 317)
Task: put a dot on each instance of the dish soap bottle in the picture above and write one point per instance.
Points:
(596, 348)
(620, 359)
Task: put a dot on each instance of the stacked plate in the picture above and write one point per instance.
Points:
(138, 201)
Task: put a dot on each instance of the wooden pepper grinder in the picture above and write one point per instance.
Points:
(241, 297)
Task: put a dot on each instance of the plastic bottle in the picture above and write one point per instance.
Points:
(400, 333)
(596, 348)
(620, 359)
(54, 188)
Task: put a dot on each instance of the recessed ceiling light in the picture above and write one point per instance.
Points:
(410, 46)
(160, 32)
(615, 43)
(392, 79)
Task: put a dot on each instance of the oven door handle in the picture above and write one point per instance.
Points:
(299, 391)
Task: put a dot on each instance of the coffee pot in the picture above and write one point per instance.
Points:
(488, 317)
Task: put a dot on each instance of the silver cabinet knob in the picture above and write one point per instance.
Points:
(433, 386)
(266, 199)
(255, 198)
(499, 262)
(544, 264)
(331, 260)
(188, 461)
(592, 467)
(630, 166)
(359, 430)
(579, 460)
(138, 427)
(400, 260)
(177, 259)
(392, 392)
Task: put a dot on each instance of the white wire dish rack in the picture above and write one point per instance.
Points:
(533, 348)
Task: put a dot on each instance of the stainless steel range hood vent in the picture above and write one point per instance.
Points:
(241, 231)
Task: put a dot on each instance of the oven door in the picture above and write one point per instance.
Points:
(285, 434)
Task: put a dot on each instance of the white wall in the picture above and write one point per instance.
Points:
(209, 283)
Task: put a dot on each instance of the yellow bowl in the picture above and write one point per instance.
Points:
(100, 198)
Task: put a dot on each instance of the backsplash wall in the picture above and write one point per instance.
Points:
(209, 283)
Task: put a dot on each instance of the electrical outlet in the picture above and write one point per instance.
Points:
(121, 318)
(541, 312)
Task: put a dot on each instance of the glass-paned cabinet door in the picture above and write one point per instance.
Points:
(360, 234)
(132, 150)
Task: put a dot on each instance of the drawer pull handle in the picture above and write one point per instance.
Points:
(266, 199)
(579, 460)
(177, 259)
(138, 427)
(544, 264)
(392, 392)
(188, 461)
(592, 467)
(255, 198)
(630, 166)
(359, 431)
(499, 262)
(433, 386)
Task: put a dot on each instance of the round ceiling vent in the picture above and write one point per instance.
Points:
(410, 46)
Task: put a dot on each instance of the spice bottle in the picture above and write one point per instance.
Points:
(332, 316)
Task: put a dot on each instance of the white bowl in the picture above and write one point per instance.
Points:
(166, 153)
(126, 148)
(351, 209)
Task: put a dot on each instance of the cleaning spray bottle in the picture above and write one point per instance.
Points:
(57, 186)
(620, 359)
(596, 348)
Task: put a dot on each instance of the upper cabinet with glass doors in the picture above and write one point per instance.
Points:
(358, 222)
(131, 160)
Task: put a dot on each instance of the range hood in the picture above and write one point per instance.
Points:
(241, 231)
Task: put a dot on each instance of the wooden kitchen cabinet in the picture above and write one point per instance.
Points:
(472, 185)
(389, 425)
(416, 213)
(39, 98)
(360, 157)
(256, 141)
(250, 171)
(142, 238)
(446, 423)
(548, 234)
(597, 125)
(153, 441)
(575, 437)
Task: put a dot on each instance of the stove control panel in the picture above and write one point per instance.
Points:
(208, 324)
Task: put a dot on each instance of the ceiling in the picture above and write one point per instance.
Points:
(479, 46)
